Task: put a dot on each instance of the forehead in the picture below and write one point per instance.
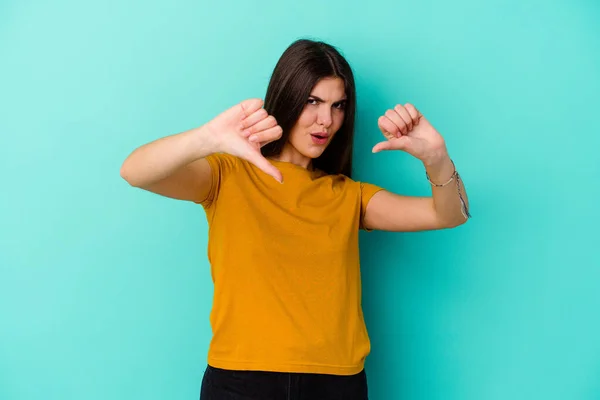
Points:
(329, 89)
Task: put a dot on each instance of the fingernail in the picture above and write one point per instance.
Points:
(253, 138)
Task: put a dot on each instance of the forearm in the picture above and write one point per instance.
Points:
(446, 199)
(158, 159)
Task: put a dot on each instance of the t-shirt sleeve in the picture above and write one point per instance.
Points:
(367, 191)
(221, 166)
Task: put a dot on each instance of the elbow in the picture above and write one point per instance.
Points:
(126, 174)
(450, 221)
(455, 222)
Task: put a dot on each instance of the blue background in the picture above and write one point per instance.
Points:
(105, 290)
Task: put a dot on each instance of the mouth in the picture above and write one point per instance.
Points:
(319, 137)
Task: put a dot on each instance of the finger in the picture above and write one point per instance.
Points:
(404, 114)
(381, 146)
(387, 127)
(262, 125)
(267, 136)
(253, 119)
(401, 143)
(398, 121)
(415, 115)
(249, 106)
(241, 110)
(263, 164)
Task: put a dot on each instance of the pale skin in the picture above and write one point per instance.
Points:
(175, 166)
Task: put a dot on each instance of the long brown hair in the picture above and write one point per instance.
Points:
(298, 70)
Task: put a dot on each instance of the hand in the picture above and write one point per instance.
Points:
(242, 130)
(406, 129)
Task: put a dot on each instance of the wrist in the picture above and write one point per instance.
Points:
(439, 169)
(203, 141)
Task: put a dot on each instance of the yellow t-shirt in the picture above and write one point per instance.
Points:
(285, 266)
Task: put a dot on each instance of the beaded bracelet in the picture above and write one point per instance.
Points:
(464, 209)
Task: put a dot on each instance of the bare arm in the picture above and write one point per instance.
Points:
(173, 166)
(392, 212)
(406, 129)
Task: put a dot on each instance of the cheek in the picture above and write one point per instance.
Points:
(307, 118)
(301, 127)
(338, 120)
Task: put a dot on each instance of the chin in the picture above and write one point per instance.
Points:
(314, 152)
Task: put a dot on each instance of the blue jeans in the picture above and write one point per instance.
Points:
(221, 384)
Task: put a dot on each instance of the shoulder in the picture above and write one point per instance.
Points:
(223, 164)
(351, 182)
(223, 158)
(364, 189)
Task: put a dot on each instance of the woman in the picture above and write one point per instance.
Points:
(284, 214)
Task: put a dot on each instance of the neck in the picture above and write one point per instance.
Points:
(292, 156)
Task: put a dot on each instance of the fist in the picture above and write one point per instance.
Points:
(406, 129)
(243, 129)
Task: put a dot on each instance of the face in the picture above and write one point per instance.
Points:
(321, 118)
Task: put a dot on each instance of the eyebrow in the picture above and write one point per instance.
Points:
(320, 99)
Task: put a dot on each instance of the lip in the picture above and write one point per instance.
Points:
(319, 140)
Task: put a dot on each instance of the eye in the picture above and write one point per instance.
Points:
(312, 101)
(340, 105)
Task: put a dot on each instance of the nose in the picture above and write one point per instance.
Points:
(324, 117)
